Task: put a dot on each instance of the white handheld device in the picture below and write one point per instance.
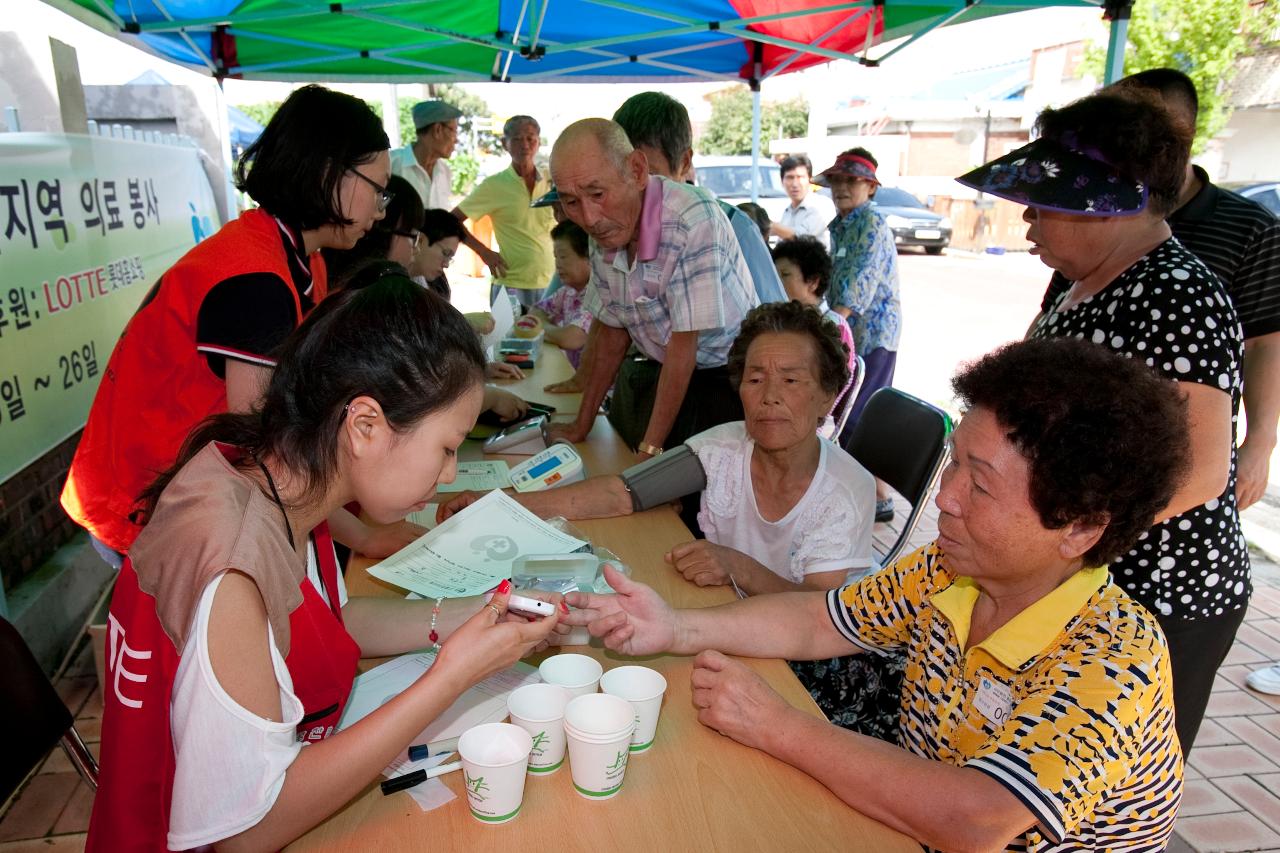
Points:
(558, 465)
(527, 606)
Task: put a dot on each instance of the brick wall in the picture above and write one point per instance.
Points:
(32, 523)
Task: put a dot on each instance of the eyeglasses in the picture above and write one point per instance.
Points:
(414, 236)
(384, 195)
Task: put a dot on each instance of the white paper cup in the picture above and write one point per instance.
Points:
(643, 688)
(598, 729)
(494, 756)
(539, 710)
(578, 674)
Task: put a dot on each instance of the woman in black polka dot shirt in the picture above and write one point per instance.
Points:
(1098, 183)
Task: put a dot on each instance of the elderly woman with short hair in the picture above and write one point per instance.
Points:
(1098, 183)
(1037, 711)
(782, 508)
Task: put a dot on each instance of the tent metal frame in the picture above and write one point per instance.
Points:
(526, 40)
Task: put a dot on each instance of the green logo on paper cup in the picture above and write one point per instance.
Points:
(618, 763)
(538, 740)
(475, 786)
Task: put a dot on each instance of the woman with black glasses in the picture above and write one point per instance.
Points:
(396, 237)
(204, 339)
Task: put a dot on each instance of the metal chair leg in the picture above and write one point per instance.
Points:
(81, 758)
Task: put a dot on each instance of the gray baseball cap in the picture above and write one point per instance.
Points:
(432, 112)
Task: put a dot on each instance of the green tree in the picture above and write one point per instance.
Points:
(729, 130)
(261, 113)
(1203, 39)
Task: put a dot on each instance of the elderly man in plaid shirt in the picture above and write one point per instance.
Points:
(669, 289)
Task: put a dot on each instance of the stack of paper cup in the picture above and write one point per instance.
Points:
(643, 688)
(494, 756)
(578, 674)
(598, 729)
(539, 710)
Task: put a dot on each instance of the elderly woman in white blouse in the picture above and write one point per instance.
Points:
(782, 509)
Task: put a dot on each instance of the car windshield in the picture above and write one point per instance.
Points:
(735, 181)
(894, 197)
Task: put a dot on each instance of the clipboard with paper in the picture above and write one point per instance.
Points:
(473, 551)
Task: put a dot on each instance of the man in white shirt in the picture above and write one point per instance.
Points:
(809, 213)
(425, 165)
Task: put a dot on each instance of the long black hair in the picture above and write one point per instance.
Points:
(382, 336)
(294, 168)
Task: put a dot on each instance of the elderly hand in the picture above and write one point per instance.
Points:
(734, 700)
(635, 621)
(384, 541)
(706, 563)
(1253, 467)
(569, 432)
(457, 504)
(568, 386)
(504, 404)
(495, 262)
(502, 370)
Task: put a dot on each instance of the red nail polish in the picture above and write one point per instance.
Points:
(504, 587)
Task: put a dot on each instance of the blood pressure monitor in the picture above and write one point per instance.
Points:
(557, 465)
(523, 438)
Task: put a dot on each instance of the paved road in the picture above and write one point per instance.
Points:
(957, 307)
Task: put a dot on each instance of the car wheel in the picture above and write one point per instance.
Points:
(933, 250)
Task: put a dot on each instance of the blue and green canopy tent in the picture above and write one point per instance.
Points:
(529, 40)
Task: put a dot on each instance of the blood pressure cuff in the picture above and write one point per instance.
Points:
(664, 478)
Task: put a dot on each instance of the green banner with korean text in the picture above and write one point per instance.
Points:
(87, 225)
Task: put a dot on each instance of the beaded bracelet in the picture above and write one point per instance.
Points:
(434, 636)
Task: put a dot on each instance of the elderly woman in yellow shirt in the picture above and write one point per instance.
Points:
(1037, 706)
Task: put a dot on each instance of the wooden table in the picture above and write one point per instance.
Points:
(694, 790)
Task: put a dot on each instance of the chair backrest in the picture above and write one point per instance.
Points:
(32, 715)
(845, 405)
(901, 440)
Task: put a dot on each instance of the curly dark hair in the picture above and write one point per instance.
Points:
(1107, 439)
(1133, 131)
(801, 319)
(809, 256)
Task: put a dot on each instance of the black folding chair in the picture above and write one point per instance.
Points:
(902, 440)
(33, 717)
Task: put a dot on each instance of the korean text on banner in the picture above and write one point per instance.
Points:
(87, 225)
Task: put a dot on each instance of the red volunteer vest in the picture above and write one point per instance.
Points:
(135, 785)
(157, 386)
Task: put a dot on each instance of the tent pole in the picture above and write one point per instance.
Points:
(1118, 14)
(756, 69)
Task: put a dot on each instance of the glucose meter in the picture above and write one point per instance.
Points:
(557, 465)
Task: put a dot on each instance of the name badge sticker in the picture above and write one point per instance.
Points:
(651, 272)
(840, 253)
(994, 701)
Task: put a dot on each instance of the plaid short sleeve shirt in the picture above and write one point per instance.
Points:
(688, 275)
(1069, 705)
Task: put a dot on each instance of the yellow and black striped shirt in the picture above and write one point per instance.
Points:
(1069, 705)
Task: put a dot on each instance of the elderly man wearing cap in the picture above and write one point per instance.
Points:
(864, 282)
(523, 230)
(667, 276)
(424, 165)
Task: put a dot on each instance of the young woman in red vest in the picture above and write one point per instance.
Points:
(205, 337)
(232, 643)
